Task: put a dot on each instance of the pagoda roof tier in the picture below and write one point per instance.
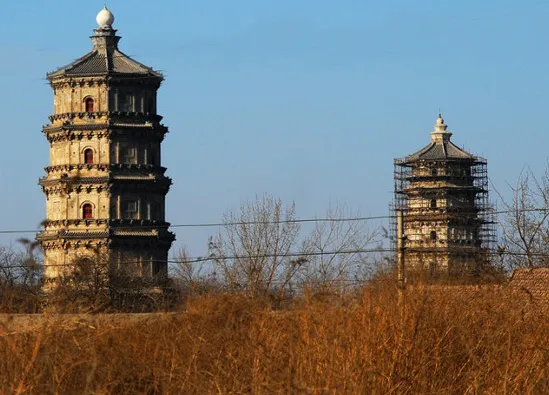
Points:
(112, 63)
(105, 59)
(102, 180)
(137, 232)
(163, 234)
(442, 188)
(55, 235)
(113, 117)
(97, 222)
(148, 169)
(441, 148)
(135, 133)
(61, 189)
(111, 223)
(449, 218)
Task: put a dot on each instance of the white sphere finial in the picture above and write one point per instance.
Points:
(105, 18)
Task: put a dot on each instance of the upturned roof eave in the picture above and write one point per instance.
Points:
(113, 74)
(65, 71)
(61, 71)
(448, 152)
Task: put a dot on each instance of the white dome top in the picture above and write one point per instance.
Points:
(105, 18)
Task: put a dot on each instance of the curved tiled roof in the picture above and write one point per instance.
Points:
(95, 63)
(440, 150)
(104, 59)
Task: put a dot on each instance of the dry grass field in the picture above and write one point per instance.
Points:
(430, 341)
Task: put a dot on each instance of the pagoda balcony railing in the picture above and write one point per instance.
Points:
(105, 222)
(106, 167)
(90, 184)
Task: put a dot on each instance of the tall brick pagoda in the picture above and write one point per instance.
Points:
(105, 186)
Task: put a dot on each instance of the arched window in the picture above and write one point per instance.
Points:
(433, 235)
(87, 211)
(89, 104)
(88, 156)
(433, 203)
(434, 172)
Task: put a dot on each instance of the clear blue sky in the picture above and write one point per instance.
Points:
(307, 100)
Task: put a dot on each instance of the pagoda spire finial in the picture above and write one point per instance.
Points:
(440, 126)
(440, 134)
(105, 39)
(105, 18)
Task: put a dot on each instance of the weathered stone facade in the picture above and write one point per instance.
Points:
(105, 187)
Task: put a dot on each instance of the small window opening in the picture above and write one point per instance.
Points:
(89, 104)
(433, 235)
(130, 209)
(434, 172)
(87, 211)
(129, 155)
(433, 203)
(125, 101)
(88, 156)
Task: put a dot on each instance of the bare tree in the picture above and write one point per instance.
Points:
(20, 278)
(85, 287)
(525, 224)
(338, 251)
(193, 276)
(96, 283)
(13, 270)
(31, 262)
(253, 252)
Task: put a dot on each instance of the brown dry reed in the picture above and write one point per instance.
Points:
(428, 340)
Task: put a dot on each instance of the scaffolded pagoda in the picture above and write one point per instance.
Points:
(442, 192)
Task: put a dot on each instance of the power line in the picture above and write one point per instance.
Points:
(218, 224)
(213, 258)
(286, 221)
(289, 221)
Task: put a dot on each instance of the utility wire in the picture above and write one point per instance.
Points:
(218, 258)
(286, 221)
(213, 258)
(217, 224)
(348, 219)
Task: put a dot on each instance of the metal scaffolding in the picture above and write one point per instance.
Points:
(448, 219)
